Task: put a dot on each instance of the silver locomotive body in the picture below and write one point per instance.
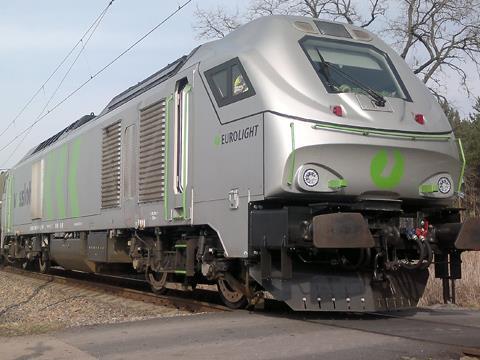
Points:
(295, 158)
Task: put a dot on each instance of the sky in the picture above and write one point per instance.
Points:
(36, 35)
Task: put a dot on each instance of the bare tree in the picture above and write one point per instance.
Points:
(258, 8)
(471, 199)
(435, 37)
(439, 35)
(344, 10)
(216, 23)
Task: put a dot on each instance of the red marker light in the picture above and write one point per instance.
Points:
(337, 110)
(419, 118)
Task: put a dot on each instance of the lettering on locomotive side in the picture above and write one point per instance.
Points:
(23, 197)
(236, 135)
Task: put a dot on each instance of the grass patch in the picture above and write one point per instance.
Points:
(21, 328)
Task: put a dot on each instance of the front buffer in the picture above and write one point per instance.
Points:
(361, 259)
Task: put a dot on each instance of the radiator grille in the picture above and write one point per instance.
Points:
(111, 152)
(152, 152)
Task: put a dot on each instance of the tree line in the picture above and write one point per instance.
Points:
(468, 130)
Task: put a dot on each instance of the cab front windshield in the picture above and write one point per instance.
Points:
(345, 67)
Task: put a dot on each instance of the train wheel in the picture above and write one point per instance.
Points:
(158, 282)
(43, 264)
(232, 298)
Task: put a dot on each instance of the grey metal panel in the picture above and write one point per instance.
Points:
(97, 249)
(268, 228)
(231, 225)
(111, 157)
(341, 230)
(70, 253)
(312, 290)
(129, 162)
(36, 205)
(152, 152)
(89, 173)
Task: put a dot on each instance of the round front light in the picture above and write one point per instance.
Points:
(444, 185)
(310, 177)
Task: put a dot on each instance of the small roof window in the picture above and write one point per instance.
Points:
(332, 29)
(229, 82)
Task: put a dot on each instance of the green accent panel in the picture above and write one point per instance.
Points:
(337, 183)
(72, 178)
(60, 181)
(292, 165)
(167, 155)
(383, 133)
(180, 245)
(378, 165)
(181, 272)
(464, 164)
(217, 140)
(47, 189)
(428, 188)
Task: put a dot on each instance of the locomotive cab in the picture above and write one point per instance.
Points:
(360, 167)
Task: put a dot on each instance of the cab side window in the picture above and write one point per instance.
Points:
(229, 82)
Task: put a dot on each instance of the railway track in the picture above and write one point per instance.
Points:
(461, 338)
(128, 288)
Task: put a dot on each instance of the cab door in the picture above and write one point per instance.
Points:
(178, 194)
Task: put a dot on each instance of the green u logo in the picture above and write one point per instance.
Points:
(378, 165)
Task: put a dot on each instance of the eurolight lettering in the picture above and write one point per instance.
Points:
(239, 135)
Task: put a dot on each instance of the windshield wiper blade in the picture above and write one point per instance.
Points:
(324, 68)
(377, 98)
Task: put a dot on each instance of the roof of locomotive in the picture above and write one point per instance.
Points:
(120, 99)
(257, 34)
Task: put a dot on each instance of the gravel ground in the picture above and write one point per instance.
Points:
(33, 306)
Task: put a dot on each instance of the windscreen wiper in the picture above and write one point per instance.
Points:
(377, 98)
(324, 68)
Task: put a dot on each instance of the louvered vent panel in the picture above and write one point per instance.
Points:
(111, 152)
(152, 152)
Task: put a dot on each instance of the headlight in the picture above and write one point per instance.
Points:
(444, 185)
(310, 177)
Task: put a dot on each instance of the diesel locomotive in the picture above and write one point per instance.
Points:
(295, 159)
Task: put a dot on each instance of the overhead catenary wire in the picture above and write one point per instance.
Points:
(84, 44)
(100, 71)
(42, 87)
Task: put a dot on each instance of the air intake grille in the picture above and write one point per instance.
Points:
(152, 152)
(111, 152)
